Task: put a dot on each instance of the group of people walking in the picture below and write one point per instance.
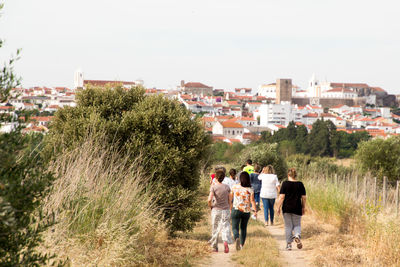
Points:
(233, 198)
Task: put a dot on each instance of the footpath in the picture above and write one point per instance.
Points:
(295, 257)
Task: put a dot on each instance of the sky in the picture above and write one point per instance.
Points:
(222, 43)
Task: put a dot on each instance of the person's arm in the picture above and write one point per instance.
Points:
(280, 202)
(230, 200)
(210, 198)
(303, 204)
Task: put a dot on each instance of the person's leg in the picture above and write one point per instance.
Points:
(297, 230)
(271, 203)
(216, 217)
(265, 205)
(235, 223)
(257, 200)
(226, 227)
(296, 225)
(287, 217)
(243, 226)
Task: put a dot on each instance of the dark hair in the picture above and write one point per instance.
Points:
(245, 179)
(257, 168)
(241, 168)
(232, 172)
(249, 161)
(220, 175)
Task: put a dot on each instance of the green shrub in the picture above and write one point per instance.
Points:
(160, 131)
(24, 181)
(380, 157)
(264, 154)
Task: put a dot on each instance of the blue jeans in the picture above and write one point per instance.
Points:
(268, 204)
(257, 198)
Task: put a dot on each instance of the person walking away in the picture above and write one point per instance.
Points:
(243, 197)
(269, 191)
(292, 199)
(231, 180)
(249, 167)
(256, 184)
(220, 212)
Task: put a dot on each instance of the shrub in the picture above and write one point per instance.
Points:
(23, 183)
(107, 209)
(380, 157)
(160, 131)
(264, 154)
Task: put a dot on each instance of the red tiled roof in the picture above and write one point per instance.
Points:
(340, 89)
(104, 82)
(338, 106)
(363, 85)
(377, 89)
(6, 107)
(232, 103)
(231, 124)
(209, 119)
(196, 85)
(311, 115)
(247, 119)
(327, 115)
(280, 126)
(42, 118)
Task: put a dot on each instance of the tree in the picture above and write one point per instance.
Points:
(158, 130)
(380, 157)
(264, 154)
(23, 184)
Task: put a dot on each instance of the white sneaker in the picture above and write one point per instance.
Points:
(254, 217)
(288, 246)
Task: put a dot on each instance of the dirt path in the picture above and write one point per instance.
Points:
(218, 259)
(295, 257)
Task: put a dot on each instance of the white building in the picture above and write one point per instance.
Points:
(339, 93)
(275, 114)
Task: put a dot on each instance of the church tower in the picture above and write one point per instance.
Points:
(314, 89)
(78, 79)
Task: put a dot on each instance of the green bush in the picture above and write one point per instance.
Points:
(380, 157)
(264, 154)
(158, 130)
(23, 184)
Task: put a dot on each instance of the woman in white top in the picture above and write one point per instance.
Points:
(269, 191)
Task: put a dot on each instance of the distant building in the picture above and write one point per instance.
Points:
(196, 88)
(283, 90)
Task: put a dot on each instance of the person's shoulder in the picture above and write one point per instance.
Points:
(236, 186)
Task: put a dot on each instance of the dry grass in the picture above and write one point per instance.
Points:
(106, 215)
(354, 232)
(260, 248)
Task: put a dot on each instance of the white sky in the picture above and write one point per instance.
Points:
(222, 43)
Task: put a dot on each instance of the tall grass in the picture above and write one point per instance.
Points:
(105, 210)
(375, 228)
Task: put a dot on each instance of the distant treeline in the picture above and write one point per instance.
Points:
(323, 140)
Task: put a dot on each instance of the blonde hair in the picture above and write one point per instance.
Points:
(292, 173)
(269, 169)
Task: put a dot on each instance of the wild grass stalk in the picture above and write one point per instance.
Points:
(375, 227)
(106, 212)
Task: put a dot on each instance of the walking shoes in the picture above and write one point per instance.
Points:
(237, 242)
(298, 242)
(226, 250)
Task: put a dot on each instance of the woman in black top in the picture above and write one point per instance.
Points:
(292, 199)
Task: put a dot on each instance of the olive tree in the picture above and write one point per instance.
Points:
(159, 131)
